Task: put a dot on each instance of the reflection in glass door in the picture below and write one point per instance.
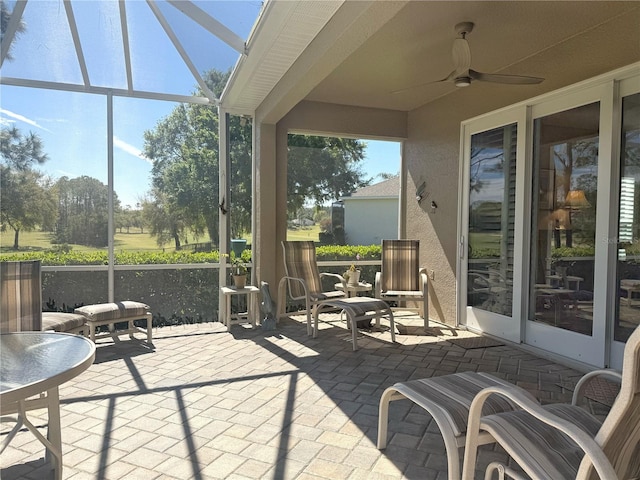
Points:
(564, 219)
(492, 186)
(628, 265)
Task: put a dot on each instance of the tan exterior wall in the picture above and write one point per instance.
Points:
(431, 154)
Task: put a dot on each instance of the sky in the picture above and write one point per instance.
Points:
(73, 126)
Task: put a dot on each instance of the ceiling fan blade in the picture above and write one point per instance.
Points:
(448, 78)
(461, 54)
(510, 79)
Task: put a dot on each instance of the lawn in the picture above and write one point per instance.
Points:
(133, 241)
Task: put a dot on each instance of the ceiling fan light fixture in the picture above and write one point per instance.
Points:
(462, 81)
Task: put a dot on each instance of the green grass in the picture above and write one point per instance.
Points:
(133, 241)
(304, 233)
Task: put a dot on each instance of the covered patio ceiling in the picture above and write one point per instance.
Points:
(368, 50)
(153, 49)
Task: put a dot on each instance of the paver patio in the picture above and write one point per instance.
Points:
(251, 404)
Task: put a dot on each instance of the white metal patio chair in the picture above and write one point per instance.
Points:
(448, 399)
(304, 281)
(401, 279)
(561, 442)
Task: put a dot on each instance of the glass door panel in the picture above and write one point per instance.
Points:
(563, 226)
(491, 216)
(627, 315)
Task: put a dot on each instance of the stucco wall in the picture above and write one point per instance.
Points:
(368, 220)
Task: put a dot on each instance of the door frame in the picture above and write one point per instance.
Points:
(601, 350)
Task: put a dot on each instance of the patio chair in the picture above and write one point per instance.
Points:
(21, 302)
(562, 441)
(448, 399)
(304, 282)
(20, 296)
(401, 279)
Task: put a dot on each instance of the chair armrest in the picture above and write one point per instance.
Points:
(424, 281)
(581, 386)
(295, 279)
(525, 401)
(378, 285)
(339, 278)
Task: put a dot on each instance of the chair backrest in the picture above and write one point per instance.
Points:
(619, 435)
(300, 262)
(20, 296)
(400, 265)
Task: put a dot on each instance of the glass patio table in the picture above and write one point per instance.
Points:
(32, 367)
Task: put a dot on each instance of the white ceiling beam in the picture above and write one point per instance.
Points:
(183, 53)
(209, 23)
(12, 28)
(125, 44)
(76, 42)
(116, 92)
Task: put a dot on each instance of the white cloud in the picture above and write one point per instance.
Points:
(21, 118)
(130, 149)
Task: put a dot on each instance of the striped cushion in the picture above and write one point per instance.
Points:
(61, 321)
(359, 306)
(113, 311)
(545, 451)
(300, 262)
(20, 296)
(400, 265)
(453, 394)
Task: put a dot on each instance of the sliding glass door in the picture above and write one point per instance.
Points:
(549, 247)
(489, 239)
(563, 233)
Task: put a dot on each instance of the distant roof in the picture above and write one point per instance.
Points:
(387, 188)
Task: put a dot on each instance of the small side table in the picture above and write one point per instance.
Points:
(353, 290)
(250, 316)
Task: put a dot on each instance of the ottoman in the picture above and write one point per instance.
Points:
(358, 309)
(64, 322)
(118, 312)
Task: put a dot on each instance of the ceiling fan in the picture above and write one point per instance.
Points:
(463, 75)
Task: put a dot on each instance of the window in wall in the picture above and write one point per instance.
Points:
(54, 173)
(335, 186)
(628, 265)
(563, 230)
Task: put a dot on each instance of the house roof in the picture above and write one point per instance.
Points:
(388, 189)
(359, 53)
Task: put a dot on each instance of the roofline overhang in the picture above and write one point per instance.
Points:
(268, 82)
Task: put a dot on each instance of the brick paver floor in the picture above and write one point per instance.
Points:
(254, 404)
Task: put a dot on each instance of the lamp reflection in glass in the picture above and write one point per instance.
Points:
(575, 200)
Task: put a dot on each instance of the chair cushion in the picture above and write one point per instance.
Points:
(300, 262)
(400, 265)
(546, 452)
(113, 311)
(61, 321)
(452, 396)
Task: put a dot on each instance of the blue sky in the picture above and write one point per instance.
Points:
(72, 126)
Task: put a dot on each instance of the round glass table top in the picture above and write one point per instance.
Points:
(32, 362)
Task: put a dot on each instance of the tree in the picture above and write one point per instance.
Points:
(185, 188)
(83, 211)
(5, 17)
(322, 169)
(184, 150)
(25, 199)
